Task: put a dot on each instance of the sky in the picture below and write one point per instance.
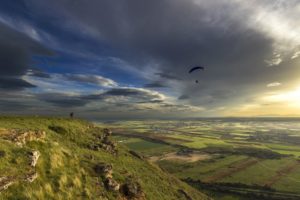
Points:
(104, 59)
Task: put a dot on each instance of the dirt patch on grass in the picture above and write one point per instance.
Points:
(282, 172)
(174, 156)
(239, 166)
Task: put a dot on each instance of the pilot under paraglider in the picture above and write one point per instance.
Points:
(195, 69)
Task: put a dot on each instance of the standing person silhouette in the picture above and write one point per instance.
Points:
(71, 115)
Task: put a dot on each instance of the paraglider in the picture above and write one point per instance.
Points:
(196, 68)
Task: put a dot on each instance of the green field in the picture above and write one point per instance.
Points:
(248, 157)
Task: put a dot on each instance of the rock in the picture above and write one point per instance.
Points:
(104, 170)
(111, 184)
(5, 182)
(132, 190)
(34, 158)
(20, 137)
(31, 177)
(107, 132)
(95, 147)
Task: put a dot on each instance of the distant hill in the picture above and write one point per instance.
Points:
(57, 158)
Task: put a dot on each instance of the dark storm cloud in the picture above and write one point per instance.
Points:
(16, 50)
(62, 100)
(11, 83)
(167, 76)
(176, 34)
(154, 85)
(162, 39)
(183, 97)
(70, 100)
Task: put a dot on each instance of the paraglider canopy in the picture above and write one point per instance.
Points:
(196, 68)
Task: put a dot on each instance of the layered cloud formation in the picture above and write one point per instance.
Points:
(134, 56)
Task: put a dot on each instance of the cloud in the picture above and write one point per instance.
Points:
(167, 76)
(92, 79)
(159, 40)
(219, 35)
(275, 60)
(62, 100)
(155, 85)
(133, 95)
(11, 83)
(183, 97)
(115, 96)
(274, 84)
(16, 50)
(37, 73)
(295, 55)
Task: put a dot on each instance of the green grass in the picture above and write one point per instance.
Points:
(65, 167)
(259, 173)
(198, 170)
(147, 148)
(203, 135)
(290, 182)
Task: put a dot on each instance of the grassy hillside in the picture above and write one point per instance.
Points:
(68, 166)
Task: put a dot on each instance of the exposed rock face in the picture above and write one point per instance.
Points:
(31, 177)
(34, 158)
(105, 143)
(24, 137)
(5, 182)
(111, 184)
(133, 190)
(104, 170)
(20, 137)
(107, 132)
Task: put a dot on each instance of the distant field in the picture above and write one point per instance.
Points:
(260, 153)
(146, 147)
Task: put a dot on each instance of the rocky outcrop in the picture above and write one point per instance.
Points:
(20, 137)
(111, 184)
(107, 132)
(27, 136)
(31, 177)
(104, 170)
(133, 190)
(5, 182)
(105, 143)
(34, 156)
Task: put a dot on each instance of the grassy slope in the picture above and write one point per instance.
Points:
(65, 167)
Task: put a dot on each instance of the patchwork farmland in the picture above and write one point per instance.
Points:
(226, 158)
